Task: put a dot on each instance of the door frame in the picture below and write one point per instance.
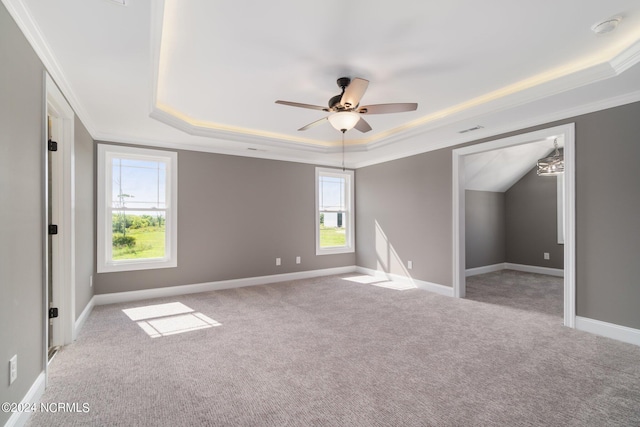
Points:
(63, 262)
(459, 265)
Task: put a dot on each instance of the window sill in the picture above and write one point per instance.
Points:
(335, 251)
(136, 265)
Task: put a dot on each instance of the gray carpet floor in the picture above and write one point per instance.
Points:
(523, 291)
(334, 352)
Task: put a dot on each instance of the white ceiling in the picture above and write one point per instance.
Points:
(498, 170)
(204, 74)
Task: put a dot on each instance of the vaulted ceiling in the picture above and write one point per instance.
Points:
(498, 170)
(204, 74)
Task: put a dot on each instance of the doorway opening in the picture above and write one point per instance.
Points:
(59, 236)
(567, 132)
(53, 252)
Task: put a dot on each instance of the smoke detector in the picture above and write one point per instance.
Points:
(606, 26)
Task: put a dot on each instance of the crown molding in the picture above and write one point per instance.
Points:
(627, 58)
(546, 89)
(228, 135)
(155, 40)
(189, 126)
(295, 157)
(549, 84)
(300, 150)
(22, 16)
(410, 148)
(418, 147)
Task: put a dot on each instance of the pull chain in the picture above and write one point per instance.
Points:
(343, 131)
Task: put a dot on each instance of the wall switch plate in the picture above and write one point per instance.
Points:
(409, 265)
(297, 260)
(278, 261)
(546, 255)
(13, 369)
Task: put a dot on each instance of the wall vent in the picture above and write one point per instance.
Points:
(478, 127)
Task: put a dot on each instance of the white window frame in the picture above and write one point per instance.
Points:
(106, 153)
(349, 220)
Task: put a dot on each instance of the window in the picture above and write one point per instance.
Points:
(334, 211)
(137, 208)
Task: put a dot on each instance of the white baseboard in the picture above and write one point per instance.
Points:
(609, 330)
(484, 269)
(33, 396)
(83, 317)
(518, 267)
(171, 291)
(410, 281)
(534, 269)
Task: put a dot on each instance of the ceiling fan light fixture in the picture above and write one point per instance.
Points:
(344, 120)
(345, 116)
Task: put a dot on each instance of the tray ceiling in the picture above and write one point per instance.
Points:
(205, 74)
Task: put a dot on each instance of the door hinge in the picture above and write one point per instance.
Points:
(53, 312)
(53, 229)
(52, 145)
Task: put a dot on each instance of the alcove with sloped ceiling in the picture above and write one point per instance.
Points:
(514, 253)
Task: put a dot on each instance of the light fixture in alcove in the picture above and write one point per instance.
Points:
(552, 165)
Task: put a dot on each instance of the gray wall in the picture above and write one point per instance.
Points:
(608, 215)
(21, 214)
(516, 226)
(485, 228)
(22, 101)
(403, 213)
(235, 216)
(85, 214)
(407, 193)
(264, 209)
(531, 221)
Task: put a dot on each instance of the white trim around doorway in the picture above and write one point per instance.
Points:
(62, 132)
(459, 271)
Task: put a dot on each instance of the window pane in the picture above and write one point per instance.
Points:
(332, 193)
(332, 229)
(138, 235)
(137, 204)
(138, 184)
(334, 204)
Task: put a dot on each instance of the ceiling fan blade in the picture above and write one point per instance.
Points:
(312, 124)
(353, 93)
(388, 108)
(362, 125)
(297, 104)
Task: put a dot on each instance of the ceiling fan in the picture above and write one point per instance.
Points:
(345, 109)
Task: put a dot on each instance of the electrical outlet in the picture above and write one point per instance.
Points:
(91, 281)
(297, 260)
(13, 369)
(546, 255)
(409, 265)
(278, 261)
